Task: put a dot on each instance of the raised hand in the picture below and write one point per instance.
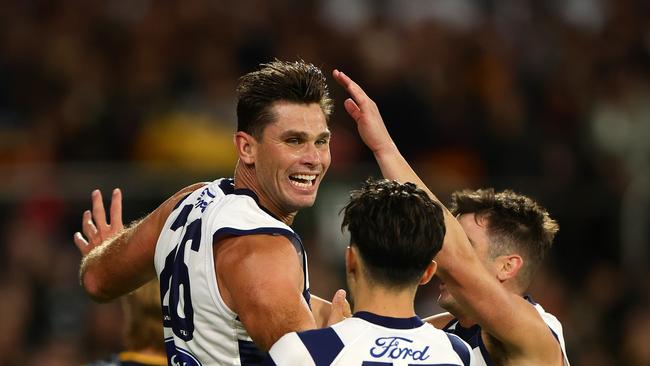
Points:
(365, 113)
(94, 226)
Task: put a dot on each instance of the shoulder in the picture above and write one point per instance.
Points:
(237, 212)
(234, 249)
(318, 346)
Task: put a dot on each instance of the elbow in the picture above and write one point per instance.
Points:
(93, 287)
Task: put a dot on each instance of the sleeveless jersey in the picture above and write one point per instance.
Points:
(199, 328)
(472, 335)
(367, 339)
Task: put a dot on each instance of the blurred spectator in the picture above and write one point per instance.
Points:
(547, 98)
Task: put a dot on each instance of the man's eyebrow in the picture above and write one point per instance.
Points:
(293, 133)
(326, 134)
(304, 135)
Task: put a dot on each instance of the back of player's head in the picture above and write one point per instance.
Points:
(515, 225)
(397, 229)
(294, 82)
(143, 318)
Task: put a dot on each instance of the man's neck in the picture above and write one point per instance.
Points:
(385, 302)
(466, 322)
(245, 178)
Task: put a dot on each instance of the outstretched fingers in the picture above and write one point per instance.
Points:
(88, 226)
(116, 211)
(358, 95)
(80, 242)
(353, 109)
(99, 213)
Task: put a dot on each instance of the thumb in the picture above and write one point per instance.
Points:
(340, 308)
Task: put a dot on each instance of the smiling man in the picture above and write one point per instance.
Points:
(232, 271)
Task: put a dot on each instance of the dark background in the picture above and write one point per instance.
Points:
(549, 98)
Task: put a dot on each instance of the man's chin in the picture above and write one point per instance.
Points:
(446, 301)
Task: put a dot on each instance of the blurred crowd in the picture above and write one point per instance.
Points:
(549, 98)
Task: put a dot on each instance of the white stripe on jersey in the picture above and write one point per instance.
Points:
(199, 327)
(369, 339)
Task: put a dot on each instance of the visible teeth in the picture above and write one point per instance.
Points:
(308, 184)
(304, 176)
(302, 180)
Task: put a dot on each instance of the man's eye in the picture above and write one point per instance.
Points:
(293, 141)
(322, 142)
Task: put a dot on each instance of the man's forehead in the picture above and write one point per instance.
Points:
(303, 119)
(475, 227)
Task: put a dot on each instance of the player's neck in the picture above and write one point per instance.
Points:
(245, 178)
(466, 322)
(385, 302)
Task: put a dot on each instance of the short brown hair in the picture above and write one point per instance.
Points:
(294, 82)
(515, 224)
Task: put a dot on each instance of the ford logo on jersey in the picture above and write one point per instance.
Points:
(393, 347)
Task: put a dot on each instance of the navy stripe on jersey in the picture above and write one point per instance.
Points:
(268, 362)
(388, 322)
(227, 231)
(249, 354)
(472, 336)
(460, 348)
(323, 345)
(178, 204)
(228, 187)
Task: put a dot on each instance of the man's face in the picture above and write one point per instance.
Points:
(477, 234)
(292, 156)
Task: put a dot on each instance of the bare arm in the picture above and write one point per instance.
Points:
(260, 278)
(117, 260)
(439, 320)
(321, 309)
(506, 316)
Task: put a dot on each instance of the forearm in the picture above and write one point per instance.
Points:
(266, 326)
(458, 265)
(394, 166)
(116, 267)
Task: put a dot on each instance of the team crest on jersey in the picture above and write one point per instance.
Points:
(178, 356)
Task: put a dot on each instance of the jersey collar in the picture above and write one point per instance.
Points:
(388, 322)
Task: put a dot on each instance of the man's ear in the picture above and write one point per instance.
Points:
(246, 146)
(508, 266)
(428, 273)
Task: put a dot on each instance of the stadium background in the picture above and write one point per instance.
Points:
(549, 98)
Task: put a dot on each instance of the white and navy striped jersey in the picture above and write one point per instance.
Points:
(367, 339)
(472, 335)
(199, 328)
